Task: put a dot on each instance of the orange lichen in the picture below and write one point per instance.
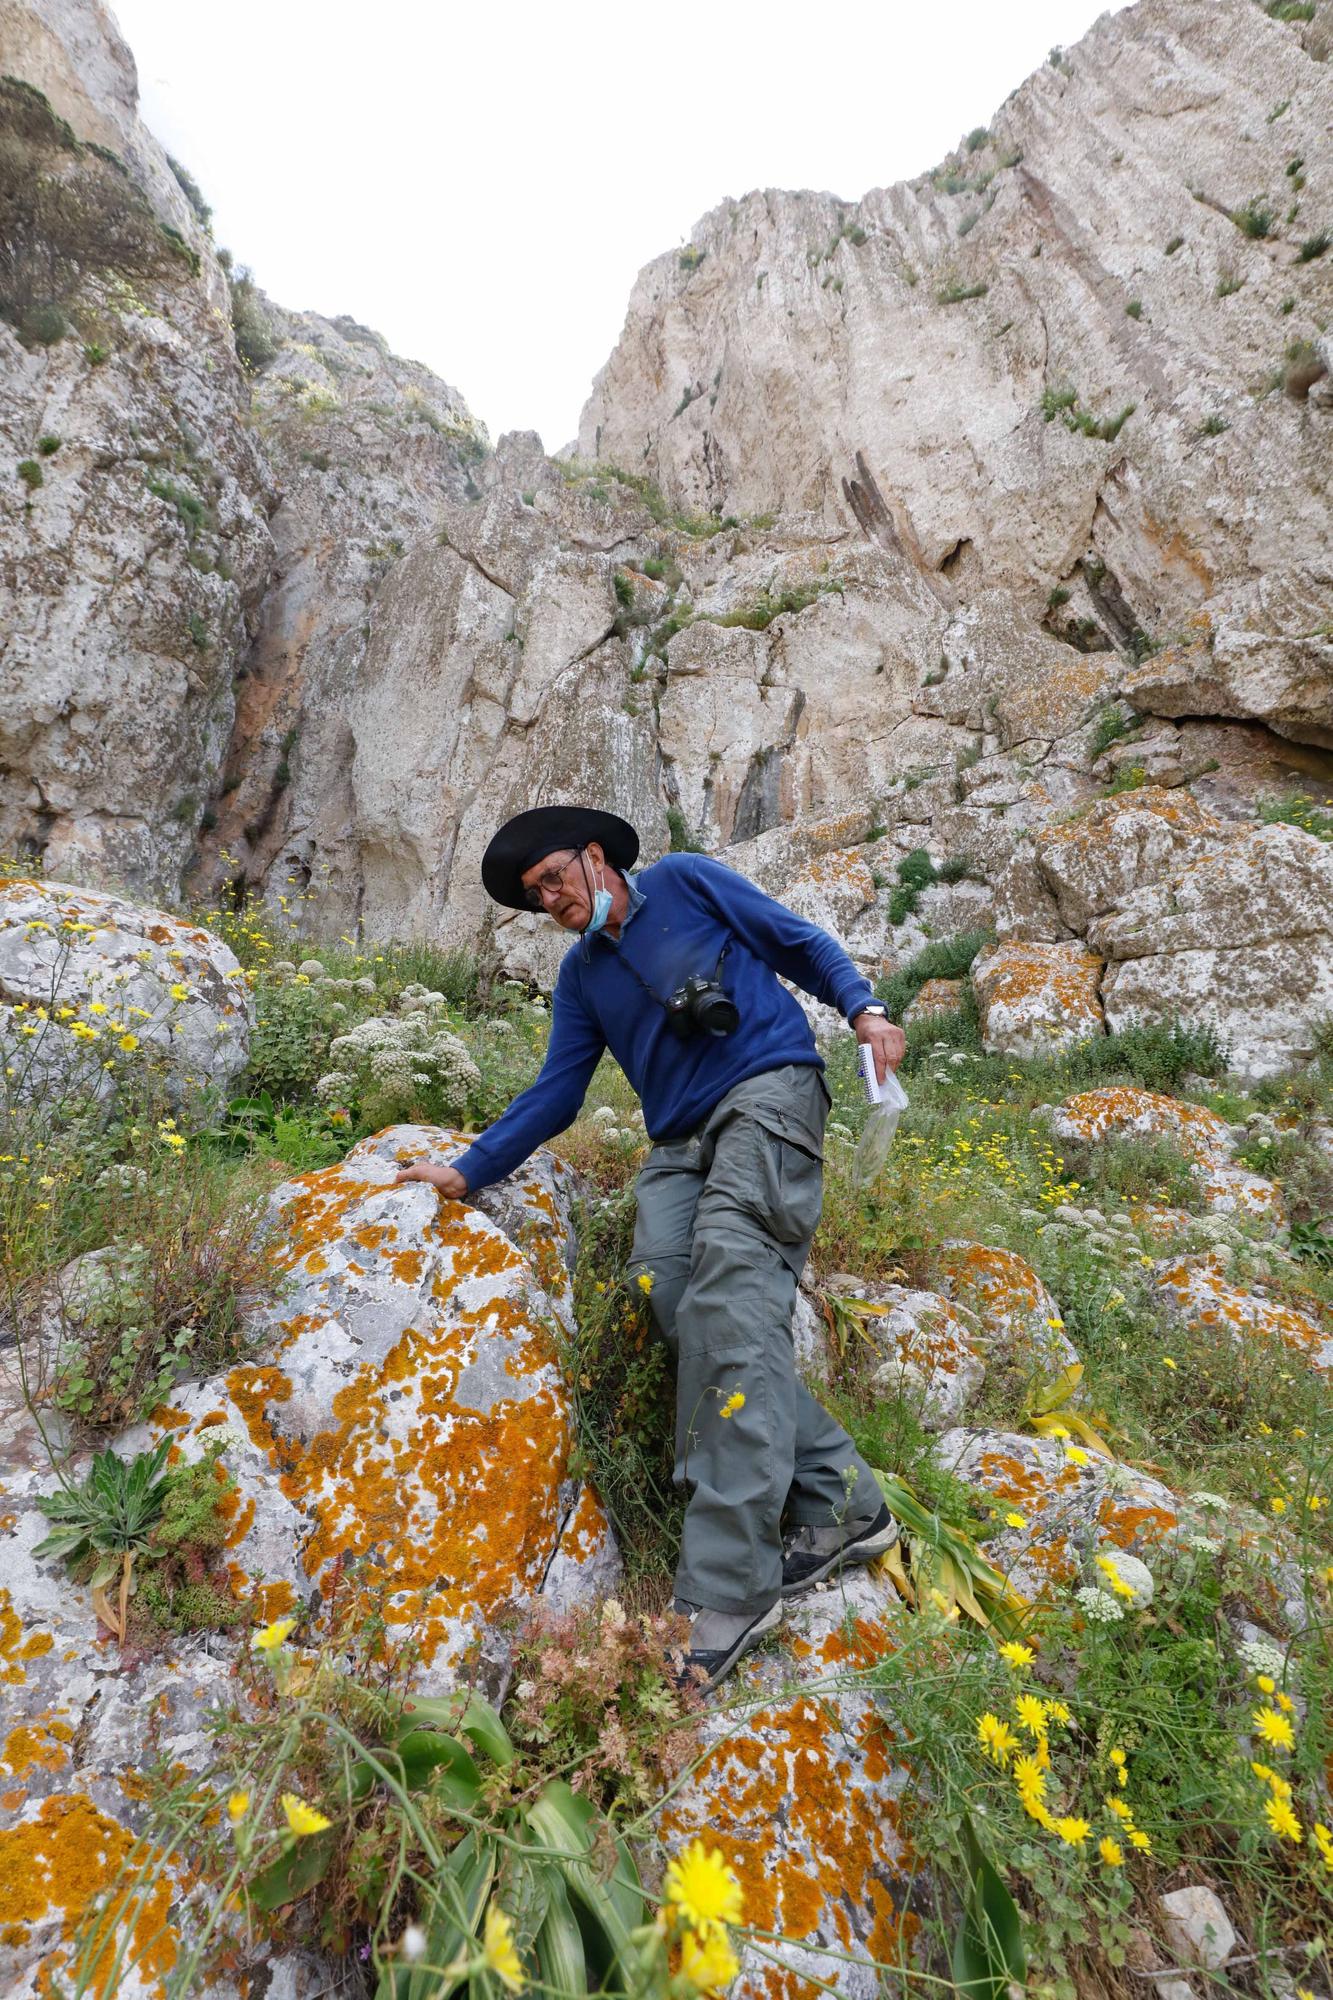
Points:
(62, 1861)
(15, 1650)
(587, 1527)
(796, 1805)
(39, 1745)
(1063, 980)
(1200, 1294)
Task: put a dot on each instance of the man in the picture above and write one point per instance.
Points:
(676, 972)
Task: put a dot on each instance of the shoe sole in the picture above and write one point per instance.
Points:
(768, 1622)
(867, 1550)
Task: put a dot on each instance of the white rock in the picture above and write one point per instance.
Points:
(1198, 1930)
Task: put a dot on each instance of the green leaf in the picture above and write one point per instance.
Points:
(988, 1951)
(561, 1961)
(564, 1823)
(469, 1716)
(296, 1872)
(452, 1919)
(428, 1755)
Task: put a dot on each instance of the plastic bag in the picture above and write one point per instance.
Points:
(888, 1101)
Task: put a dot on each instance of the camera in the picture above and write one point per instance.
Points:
(701, 1005)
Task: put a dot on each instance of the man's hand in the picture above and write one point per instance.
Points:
(447, 1179)
(886, 1038)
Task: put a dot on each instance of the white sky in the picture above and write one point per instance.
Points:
(482, 182)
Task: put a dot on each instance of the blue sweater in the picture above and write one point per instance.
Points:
(686, 909)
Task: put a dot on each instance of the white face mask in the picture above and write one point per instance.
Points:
(601, 908)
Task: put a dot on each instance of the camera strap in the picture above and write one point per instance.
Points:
(652, 993)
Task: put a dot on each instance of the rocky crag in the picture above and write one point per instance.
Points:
(926, 517)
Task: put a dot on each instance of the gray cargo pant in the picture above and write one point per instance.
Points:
(725, 1219)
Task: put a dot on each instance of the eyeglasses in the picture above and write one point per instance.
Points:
(549, 882)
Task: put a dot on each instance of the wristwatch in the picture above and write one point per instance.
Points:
(871, 1007)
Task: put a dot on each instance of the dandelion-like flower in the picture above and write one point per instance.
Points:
(498, 1949)
(1114, 1578)
(706, 1958)
(1029, 1776)
(1282, 1820)
(701, 1886)
(1324, 1842)
(1015, 1520)
(1274, 1728)
(238, 1805)
(645, 1282)
(272, 1636)
(996, 1738)
(1111, 1852)
(301, 1818)
(735, 1401)
(1073, 1831)
(1076, 1454)
(1017, 1655)
(1031, 1714)
(179, 992)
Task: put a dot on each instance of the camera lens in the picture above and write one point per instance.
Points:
(716, 1013)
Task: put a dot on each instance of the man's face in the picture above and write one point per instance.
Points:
(560, 881)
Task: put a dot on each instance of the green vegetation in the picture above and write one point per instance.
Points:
(197, 626)
(1175, 243)
(189, 187)
(682, 840)
(189, 507)
(1062, 401)
(1114, 722)
(757, 617)
(691, 257)
(1254, 220)
(256, 340)
(978, 137)
(1291, 10)
(30, 472)
(954, 294)
(1213, 425)
(1298, 809)
(1134, 309)
(1313, 246)
(1227, 283)
(48, 446)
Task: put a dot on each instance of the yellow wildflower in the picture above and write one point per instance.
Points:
(1073, 1831)
(1055, 1324)
(996, 1739)
(707, 1960)
(1031, 1714)
(1076, 1454)
(1119, 1808)
(1057, 1712)
(272, 1636)
(1324, 1842)
(1282, 1820)
(1274, 1728)
(1015, 1520)
(1266, 1684)
(1114, 1578)
(1277, 1504)
(238, 1805)
(1029, 1776)
(179, 992)
(301, 1818)
(1017, 1655)
(1112, 1853)
(498, 1951)
(129, 1043)
(701, 1886)
(645, 1282)
(1167, 1362)
(735, 1401)
(1284, 1702)
(1139, 1840)
(97, 1007)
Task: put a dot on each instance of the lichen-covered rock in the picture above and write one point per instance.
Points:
(1118, 844)
(1196, 1290)
(1037, 998)
(936, 996)
(1200, 1134)
(1022, 1330)
(1072, 1502)
(128, 975)
(1266, 653)
(1240, 940)
(801, 1794)
(925, 1351)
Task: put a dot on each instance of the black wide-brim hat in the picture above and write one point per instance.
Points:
(527, 839)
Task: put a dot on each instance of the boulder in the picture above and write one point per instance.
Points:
(1196, 1291)
(1118, 844)
(1022, 1330)
(1200, 1134)
(1072, 1503)
(1239, 940)
(924, 1350)
(1198, 1930)
(403, 1436)
(137, 982)
(800, 1790)
(936, 996)
(1262, 650)
(1036, 998)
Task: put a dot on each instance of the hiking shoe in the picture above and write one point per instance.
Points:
(811, 1554)
(718, 1638)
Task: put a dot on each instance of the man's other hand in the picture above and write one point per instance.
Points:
(447, 1179)
(886, 1038)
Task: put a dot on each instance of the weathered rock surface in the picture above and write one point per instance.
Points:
(107, 974)
(1240, 940)
(1034, 999)
(1022, 1329)
(409, 1413)
(1196, 1290)
(1119, 845)
(1206, 1141)
(1072, 1501)
(926, 1351)
(800, 1790)
(968, 333)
